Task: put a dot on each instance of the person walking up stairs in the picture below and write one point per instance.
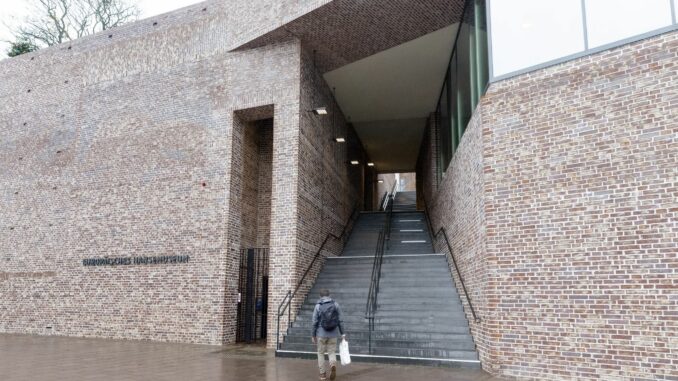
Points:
(326, 329)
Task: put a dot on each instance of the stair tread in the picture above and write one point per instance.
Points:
(410, 320)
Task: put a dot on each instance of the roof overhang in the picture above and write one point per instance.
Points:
(387, 61)
(389, 95)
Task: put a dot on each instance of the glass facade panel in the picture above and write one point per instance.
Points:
(464, 93)
(454, 129)
(675, 11)
(480, 25)
(445, 140)
(608, 21)
(465, 82)
(530, 32)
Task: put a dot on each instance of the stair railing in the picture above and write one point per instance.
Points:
(373, 294)
(371, 307)
(389, 214)
(434, 238)
(389, 195)
(382, 203)
(286, 304)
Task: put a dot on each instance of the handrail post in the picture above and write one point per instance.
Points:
(277, 335)
(289, 314)
(389, 215)
(371, 305)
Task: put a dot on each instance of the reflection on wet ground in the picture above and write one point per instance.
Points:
(42, 358)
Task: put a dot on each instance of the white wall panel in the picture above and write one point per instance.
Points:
(614, 20)
(530, 32)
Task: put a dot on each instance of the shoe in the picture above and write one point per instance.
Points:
(322, 377)
(333, 372)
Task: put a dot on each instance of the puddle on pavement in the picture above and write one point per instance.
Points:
(243, 350)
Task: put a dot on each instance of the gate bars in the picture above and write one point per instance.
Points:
(252, 295)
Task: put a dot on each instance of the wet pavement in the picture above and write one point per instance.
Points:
(42, 358)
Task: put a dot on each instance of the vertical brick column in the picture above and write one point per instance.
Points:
(283, 235)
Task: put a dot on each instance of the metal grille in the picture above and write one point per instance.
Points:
(252, 295)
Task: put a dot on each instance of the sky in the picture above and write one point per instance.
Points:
(12, 12)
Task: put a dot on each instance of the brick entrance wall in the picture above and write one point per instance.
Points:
(123, 148)
(329, 187)
(562, 204)
(256, 190)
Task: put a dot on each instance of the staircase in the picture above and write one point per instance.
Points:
(420, 319)
(405, 202)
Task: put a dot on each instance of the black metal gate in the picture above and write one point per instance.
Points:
(252, 295)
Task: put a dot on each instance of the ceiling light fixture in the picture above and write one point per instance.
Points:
(380, 181)
(355, 162)
(320, 111)
(340, 140)
(370, 164)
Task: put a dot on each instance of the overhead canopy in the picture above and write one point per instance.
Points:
(387, 61)
(389, 95)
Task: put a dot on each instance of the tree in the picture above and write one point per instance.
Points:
(20, 47)
(53, 22)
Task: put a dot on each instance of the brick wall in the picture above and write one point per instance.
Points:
(265, 155)
(570, 252)
(427, 181)
(329, 187)
(256, 190)
(459, 208)
(124, 147)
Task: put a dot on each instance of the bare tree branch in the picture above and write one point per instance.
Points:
(56, 21)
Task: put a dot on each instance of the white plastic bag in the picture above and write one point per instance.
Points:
(343, 353)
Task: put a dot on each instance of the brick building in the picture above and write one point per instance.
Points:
(138, 165)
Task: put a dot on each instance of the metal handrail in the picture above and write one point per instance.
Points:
(454, 261)
(382, 203)
(373, 294)
(387, 236)
(391, 194)
(285, 304)
(371, 306)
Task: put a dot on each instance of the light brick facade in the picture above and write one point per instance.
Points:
(150, 143)
(195, 137)
(560, 204)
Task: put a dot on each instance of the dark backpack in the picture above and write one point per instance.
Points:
(329, 315)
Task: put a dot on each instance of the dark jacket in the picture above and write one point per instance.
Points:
(317, 329)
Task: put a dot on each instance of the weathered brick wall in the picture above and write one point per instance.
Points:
(329, 187)
(123, 147)
(561, 205)
(256, 190)
(264, 162)
(427, 182)
(581, 165)
(459, 208)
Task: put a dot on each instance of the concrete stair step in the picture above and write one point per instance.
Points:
(389, 317)
(387, 351)
(465, 345)
(420, 316)
(392, 298)
(401, 327)
(363, 334)
(415, 306)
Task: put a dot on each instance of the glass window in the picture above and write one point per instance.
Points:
(464, 94)
(480, 24)
(444, 127)
(454, 132)
(465, 82)
(608, 21)
(530, 32)
(675, 11)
